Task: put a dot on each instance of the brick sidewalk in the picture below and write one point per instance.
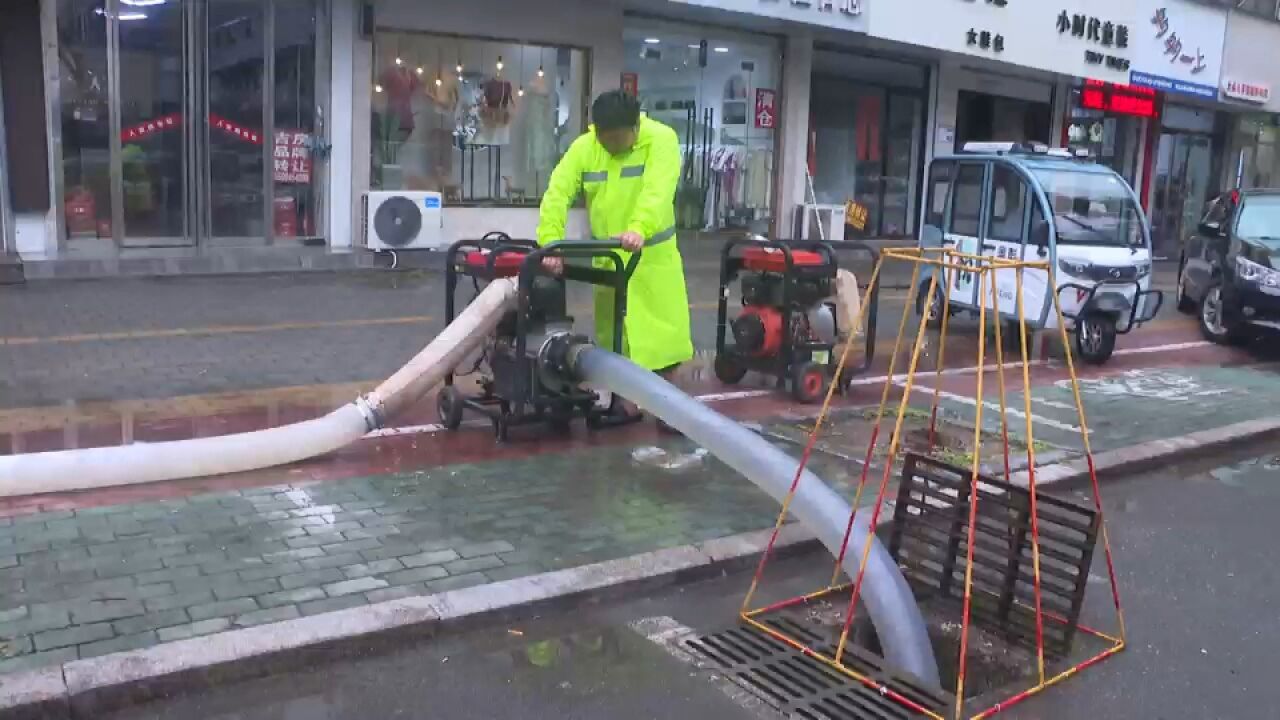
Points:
(87, 582)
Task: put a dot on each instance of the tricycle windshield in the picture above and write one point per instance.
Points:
(1091, 208)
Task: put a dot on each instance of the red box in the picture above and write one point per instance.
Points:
(507, 264)
(774, 260)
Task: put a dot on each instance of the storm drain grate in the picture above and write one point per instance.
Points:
(929, 538)
(803, 687)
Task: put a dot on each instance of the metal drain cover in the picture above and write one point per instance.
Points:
(803, 687)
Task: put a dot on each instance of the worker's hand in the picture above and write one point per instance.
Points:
(553, 264)
(631, 241)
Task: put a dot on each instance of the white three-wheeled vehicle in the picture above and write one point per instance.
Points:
(1015, 201)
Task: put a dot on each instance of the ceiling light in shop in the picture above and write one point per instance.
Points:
(651, 41)
(695, 46)
(399, 61)
(377, 88)
(499, 63)
(420, 70)
(132, 16)
(142, 3)
(541, 72)
(722, 49)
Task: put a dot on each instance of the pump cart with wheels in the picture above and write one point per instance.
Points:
(1030, 202)
(511, 390)
(787, 325)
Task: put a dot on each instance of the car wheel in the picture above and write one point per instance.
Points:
(1185, 303)
(1095, 338)
(1214, 322)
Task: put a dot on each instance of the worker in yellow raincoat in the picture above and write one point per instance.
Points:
(628, 166)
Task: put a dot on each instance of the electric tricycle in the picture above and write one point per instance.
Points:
(1031, 203)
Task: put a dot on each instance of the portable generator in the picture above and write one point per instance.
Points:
(512, 390)
(787, 324)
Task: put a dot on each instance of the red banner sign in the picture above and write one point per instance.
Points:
(631, 84)
(239, 131)
(766, 109)
(150, 127)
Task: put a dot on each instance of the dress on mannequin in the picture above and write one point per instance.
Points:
(497, 109)
(539, 118)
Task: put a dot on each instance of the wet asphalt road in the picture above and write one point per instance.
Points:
(1194, 550)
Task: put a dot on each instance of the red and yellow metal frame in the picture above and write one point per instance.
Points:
(949, 263)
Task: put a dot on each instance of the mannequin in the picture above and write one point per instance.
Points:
(427, 154)
(539, 118)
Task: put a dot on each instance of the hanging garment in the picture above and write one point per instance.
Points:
(634, 192)
(539, 119)
(497, 110)
(759, 179)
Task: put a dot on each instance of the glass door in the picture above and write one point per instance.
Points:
(151, 159)
(1183, 170)
(233, 121)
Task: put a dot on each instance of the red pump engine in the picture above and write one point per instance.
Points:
(757, 331)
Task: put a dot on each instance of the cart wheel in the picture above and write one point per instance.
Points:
(1095, 338)
(933, 314)
(449, 406)
(809, 382)
(728, 370)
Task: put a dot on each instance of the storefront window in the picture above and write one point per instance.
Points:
(1112, 138)
(1255, 153)
(865, 134)
(720, 92)
(480, 121)
(83, 87)
(175, 148)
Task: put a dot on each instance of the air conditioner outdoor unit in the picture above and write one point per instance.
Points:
(403, 220)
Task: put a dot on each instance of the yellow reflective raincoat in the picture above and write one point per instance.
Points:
(635, 192)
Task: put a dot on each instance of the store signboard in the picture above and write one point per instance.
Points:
(1115, 42)
(1246, 91)
(1179, 48)
(837, 14)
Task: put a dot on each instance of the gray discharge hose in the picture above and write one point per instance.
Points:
(889, 600)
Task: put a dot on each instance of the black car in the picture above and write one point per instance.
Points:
(1230, 270)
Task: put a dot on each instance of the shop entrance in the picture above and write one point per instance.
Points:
(188, 122)
(1182, 173)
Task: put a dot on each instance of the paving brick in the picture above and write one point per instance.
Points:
(346, 587)
(111, 587)
(511, 572)
(246, 589)
(485, 548)
(435, 557)
(291, 597)
(337, 527)
(416, 575)
(146, 592)
(119, 644)
(291, 555)
(14, 614)
(391, 550)
(327, 538)
(332, 604)
(151, 621)
(222, 609)
(36, 619)
(8, 561)
(39, 660)
(273, 570)
(373, 568)
(484, 562)
(167, 575)
(352, 546)
(457, 582)
(73, 636)
(395, 593)
(102, 610)
(124, 547)
(195, 558)
(373, 532)
(332, 561)
(178, 599)
(262, 617)
(196, 629)
(313, 578)
(124, 565)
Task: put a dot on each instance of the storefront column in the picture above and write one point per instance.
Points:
(341, 92)
(797, 68)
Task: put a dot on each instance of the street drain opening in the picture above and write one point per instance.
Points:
(929, 538)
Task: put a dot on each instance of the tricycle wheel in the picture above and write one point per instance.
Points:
(1095, 338)
(809, 382)
(449, 406)
(932, 314)
(728, 370)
